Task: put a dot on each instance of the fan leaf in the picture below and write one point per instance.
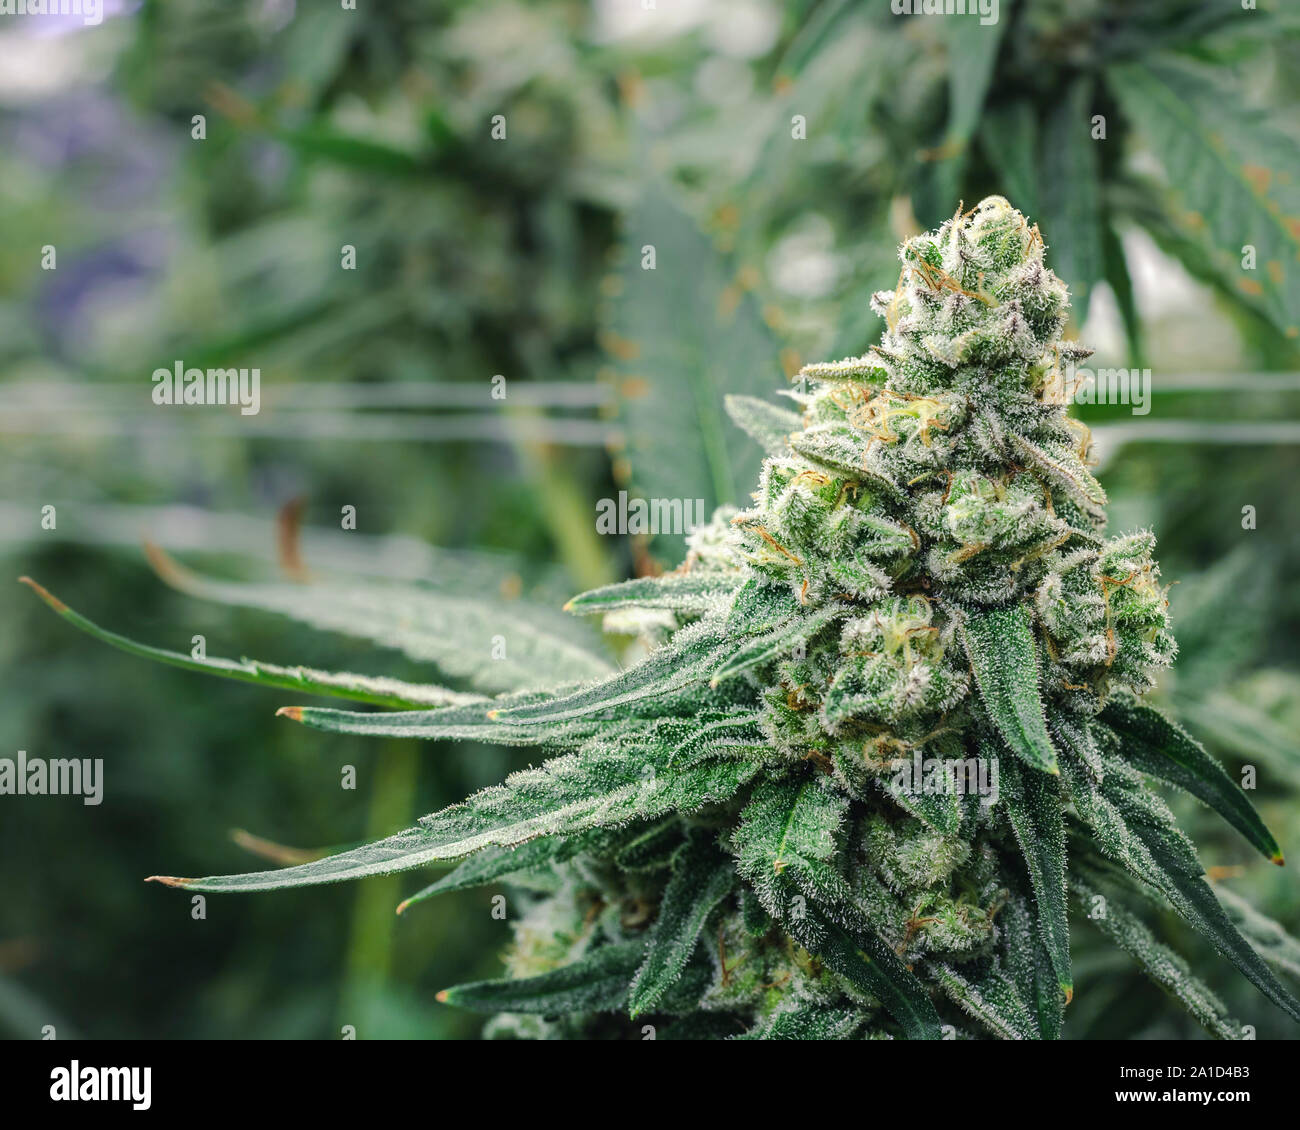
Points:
(359, 688)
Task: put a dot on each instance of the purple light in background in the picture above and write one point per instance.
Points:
(55, 23)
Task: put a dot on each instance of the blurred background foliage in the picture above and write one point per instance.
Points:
(772, 155)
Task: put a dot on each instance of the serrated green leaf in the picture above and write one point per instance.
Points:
(597, 787)
(702, 877)
(838, 448)
(1192, 897)
(453, 632)
(1155, 745)
(1047, 1000)
(766, 423)
(1232, 168)
(940, 810)
(467, 722)
(864, 370)
(972, 51)
(760, 606)
(1121, 286)
(786, 830)
(1009, 138)
(1000, 645)
(1067, 474)
(1022, 956)
(709, 734)
(359, 688)
(1074, 738)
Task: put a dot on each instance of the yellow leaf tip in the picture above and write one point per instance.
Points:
(1069, 992)
(441, 997)
(44, 593)
(294, 713)
(167, 567)
(169, 880)
(1277, 859)
(401, 906)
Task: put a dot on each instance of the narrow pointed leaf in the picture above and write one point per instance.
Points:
(1266, 935)
(861, 958)
(1000, 644)
(1048, 999)
(690, 658)
(1068, 475)
(565, 795)
(776, 644)
(1161, 964)
(471, 722)
(735, 733)
(359, 688)
(839, 448)
(1155, 745)
(1136, 829)
(488, 866)
(786, 830)
(596, 982)
(1024, 958)
(760, 606)
(1035, 808)
(1193, 898)
(989, 995)
(678, 592)
(941, 810)
(701, 879)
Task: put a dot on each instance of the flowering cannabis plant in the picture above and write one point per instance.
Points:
(887, 737)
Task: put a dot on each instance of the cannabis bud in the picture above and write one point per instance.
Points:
(835, 797)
